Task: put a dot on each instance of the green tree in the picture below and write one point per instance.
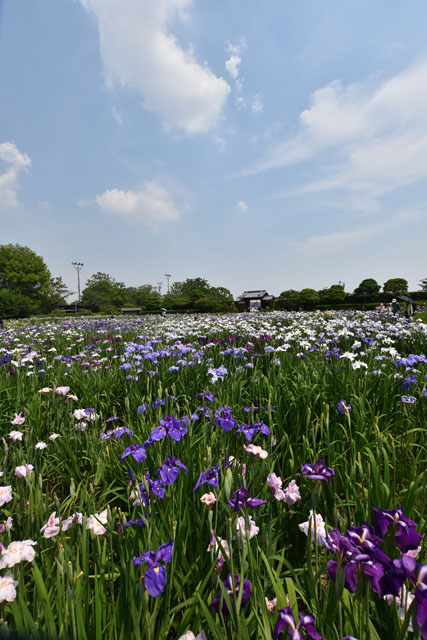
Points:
(395, 286)
(103, 293)
(25, 281)
(308, 296)
(423, 284)
(145, 296)
(368, 287)
(290, 294)
(335, 293)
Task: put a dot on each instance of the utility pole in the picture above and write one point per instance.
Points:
(159, 288)
(78, 266)
(168, 276)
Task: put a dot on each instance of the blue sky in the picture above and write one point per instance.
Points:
(258, 144)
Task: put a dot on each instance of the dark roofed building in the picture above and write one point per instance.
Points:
(254, 300)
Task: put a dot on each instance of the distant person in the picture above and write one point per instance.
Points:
(388, 309)
(395, 307)
(378, 308)
(382, 308)
(410, 308)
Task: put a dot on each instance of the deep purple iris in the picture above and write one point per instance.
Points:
(137, 451)
(224, 418)
(169, 470)
(155, 577)
(240, 499)
(343, 407)
(228, 584)
(249, 430)
(207, 396)
(394, 522)
(210, 476)
(286, 619)
(318, 471)
(171, 426)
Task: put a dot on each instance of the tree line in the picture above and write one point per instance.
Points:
(27, 288)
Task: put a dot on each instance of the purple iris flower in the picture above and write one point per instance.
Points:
(240, 499)
(138, 452)
(207, 396)
(409, 399)
(394, 522)
(248, 431)
(169, 470)
(136, 521)
(210, 476)
(286, 619)
(224, 419)
(155, 577)
(343, 407)
(155, 486)
(171, 426)
(228, 584)
(318, 471)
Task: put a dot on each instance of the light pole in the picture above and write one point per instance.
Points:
(168, 276)
(78, 266)
(159, 287)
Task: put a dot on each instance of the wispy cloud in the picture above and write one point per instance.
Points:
(242, 206)
(340, 242)
(139, 52)
(150, 204)
(16, 162)
(367, 138)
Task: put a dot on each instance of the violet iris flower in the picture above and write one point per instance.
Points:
(171, 426)
(394, 522)
(138, 452)
(210, 476)
(169, 470)
(249, 430)
(155, 577)
(286, 619)
(343, 407)
(207, 396)
(224, 419)
(240, 499)
(318, 471)
(228, 584)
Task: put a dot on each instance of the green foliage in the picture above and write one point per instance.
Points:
(26, 285)
(395, 286)
(308, 296)
(368, 287)
(103, 292)
(335, 293)
(423, 284)
(197, 294)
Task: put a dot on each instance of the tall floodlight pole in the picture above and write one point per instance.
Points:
(168, 276)
(78, 266)
(159, 287)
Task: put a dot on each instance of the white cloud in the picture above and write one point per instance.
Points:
(232, 65)
(117, 115)
(150, 204)
(242, 206)
(139, 52)
(341, 241)
(17, 162)
(257, 104)
(375, 137)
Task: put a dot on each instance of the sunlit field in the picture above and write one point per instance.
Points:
(246, 476)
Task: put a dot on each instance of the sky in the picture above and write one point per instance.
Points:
(259, 144)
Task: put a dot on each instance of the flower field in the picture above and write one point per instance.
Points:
(247, 476)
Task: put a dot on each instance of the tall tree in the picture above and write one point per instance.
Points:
(335, 293)
(423, 284)
(395, 286)
(25, 281)
(368, 287)
(103, 293)
(308, 296)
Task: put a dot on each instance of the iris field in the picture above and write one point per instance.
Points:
(224, 477)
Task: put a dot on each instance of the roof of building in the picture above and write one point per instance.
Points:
(257, 294)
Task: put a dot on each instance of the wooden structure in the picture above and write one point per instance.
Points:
(254, 300)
